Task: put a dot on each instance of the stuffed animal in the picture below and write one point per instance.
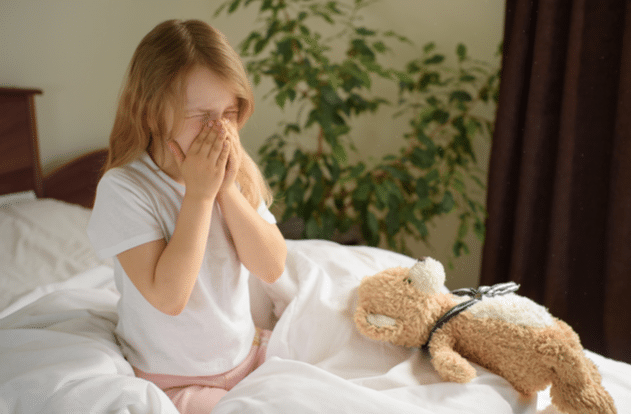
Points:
(493, 327)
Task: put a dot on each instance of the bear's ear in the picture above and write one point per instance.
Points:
(427, 275)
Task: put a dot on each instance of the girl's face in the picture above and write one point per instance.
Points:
(207, 98)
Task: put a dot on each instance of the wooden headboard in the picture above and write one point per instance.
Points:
(20, 168)
(19, 154)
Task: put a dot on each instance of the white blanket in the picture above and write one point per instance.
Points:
(58, 353)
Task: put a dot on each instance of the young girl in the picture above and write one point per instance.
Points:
(183, 210)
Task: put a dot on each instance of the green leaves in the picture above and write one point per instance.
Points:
(327, 72)
(447, 203)
(423, 159)
(461, 96)
(461, 52)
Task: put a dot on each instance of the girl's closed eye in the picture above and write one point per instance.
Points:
(206, 118)
(231, 115)
(202, 116)
(202, 119)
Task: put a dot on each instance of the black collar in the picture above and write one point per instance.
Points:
(477, 295)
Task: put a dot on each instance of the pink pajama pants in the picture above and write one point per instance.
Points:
(198, 395)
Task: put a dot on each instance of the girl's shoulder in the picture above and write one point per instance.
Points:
(138, 173)
(131, 183)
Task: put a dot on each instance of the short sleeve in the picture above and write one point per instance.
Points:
(265, 213)
(122, 216)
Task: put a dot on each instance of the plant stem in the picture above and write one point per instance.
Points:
(321, 139)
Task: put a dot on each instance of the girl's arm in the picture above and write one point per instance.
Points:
(165, 273)
(259, 244)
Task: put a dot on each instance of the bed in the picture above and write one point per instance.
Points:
(58, 353)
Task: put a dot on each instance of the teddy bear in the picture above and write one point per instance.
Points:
(508, 334)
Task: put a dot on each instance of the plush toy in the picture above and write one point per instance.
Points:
(493, 327)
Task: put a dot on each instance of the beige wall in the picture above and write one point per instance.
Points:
(77, 51)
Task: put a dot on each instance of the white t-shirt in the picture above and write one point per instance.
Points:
(138, 203)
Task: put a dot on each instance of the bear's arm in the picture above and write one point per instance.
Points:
(450, 365)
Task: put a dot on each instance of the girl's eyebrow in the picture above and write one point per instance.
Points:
(199, 109)
(202, 109)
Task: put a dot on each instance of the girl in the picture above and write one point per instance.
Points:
(181, 207)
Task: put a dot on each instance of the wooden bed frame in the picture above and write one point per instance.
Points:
(20, 168)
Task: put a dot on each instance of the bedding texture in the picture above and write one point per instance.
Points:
(58, 352)
(41, 241)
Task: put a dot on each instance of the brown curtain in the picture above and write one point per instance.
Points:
(559, 175)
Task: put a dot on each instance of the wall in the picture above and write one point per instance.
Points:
(77, 52)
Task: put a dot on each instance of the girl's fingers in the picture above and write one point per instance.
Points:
(196, 145)
(177, 152)
(216, 140)
(222, 157)
(222, 160)
(232, 154)
(216, 147)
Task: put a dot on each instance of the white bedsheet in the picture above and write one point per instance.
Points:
(58, 353)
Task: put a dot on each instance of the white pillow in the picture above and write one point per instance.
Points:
(16, 198)
(41, 241)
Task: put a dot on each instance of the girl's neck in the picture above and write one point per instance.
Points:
(165, 160)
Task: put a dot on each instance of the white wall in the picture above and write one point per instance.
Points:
(77, 51)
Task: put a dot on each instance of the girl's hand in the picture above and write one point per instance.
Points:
(203, 168)
(235, 152)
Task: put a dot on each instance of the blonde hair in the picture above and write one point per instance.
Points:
(155, 82)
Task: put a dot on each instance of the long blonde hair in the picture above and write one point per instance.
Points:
(155, 82)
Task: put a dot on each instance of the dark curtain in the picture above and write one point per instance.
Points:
(559, 174)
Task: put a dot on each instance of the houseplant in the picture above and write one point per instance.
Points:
(327, 79)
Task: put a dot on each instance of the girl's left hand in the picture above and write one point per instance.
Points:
(234, 152)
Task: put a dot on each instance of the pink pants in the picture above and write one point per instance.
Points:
(198, 395)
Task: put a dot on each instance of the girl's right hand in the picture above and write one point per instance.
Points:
(204, 165)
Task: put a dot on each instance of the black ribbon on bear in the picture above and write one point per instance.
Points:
(477, 295)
